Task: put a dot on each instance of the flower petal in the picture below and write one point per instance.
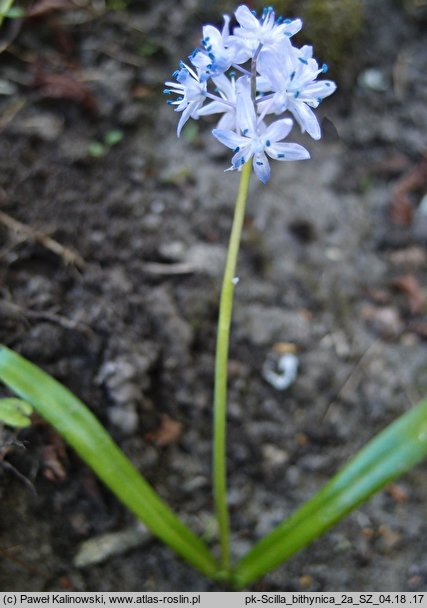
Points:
(287, 152)
(320, 89)
(306, 118)
(242, 156)
(186, 115)
(214, 107)
(227, 122)
(292, 27)
(245, 111)
(271, 66)
(246, 18)
(230, 139)
(212, 38)
(278, 130)
(226, 86)
(261, 167)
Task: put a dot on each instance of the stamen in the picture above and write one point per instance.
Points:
(280, 156)
(236, 150)
(166, 91)
(293, 75)
(297, 94)
(258, 162)
(245, 131)
(268, 143)
(325, 68)
(287, 21)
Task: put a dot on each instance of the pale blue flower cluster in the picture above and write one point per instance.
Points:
(274, 77)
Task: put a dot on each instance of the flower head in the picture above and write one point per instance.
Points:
(279, 78)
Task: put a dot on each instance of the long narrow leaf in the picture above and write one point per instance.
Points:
(393, 452)
(79, 427)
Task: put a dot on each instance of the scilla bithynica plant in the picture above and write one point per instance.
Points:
(274, 77)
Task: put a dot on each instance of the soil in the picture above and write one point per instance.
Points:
(333, 261)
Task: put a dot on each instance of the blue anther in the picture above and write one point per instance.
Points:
(324, 68)
(304, 61)
(293, 75)
(258, 162)
(279, 20)
(253, 13)
(236, 150)
(232, 74)
(245, 131)
(169, 102)
(194, 53)
(288, 21)
(175, 74)
(211, 56)
(242, 162)
(280, 156)
(268, 143)
(328, 84)
(166, 91)
(297, 94)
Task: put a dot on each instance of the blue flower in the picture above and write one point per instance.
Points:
(191, 94)
(220, 51)
(267, 31)
(256, 140)
(291, 74)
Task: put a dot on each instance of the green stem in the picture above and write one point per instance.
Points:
(221, 369)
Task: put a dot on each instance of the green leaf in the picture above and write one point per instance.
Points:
(15, 13)
(113, 137)
(15, 412)
(96, 149)
(390, 454)
(79, 427)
